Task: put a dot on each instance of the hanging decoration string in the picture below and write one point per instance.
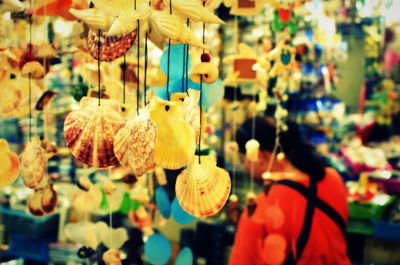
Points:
(169, 53)
(29, 76)
(201, 97)
(187, 61)
(234, 128)
(253, 135)
(98, 65)
(124, 80)
(138, 66)
(145, 67)
(110, 210)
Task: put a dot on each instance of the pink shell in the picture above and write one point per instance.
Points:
(89, 132)
(111, 48)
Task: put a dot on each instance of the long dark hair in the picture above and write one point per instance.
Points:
(297, 150)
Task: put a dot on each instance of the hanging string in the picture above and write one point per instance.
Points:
(110, 210)
(234, 127)
(201, 97)
(253, 135)
(184, 71)
(30, 76)
(98, 65)
(138, 65)
(124, 80)
(187, 62)
(145, 67)
(169, 53)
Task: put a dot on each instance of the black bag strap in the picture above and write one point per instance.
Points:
(312, 202)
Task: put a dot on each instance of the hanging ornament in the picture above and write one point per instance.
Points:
(90, 131)
(252, 149)
(180, 215)
(94, 18)
(157, 249)
(9, 165)
(203, 188)
(33, 163)
(244, 7)
(251, 203)
(175, 144)
(112, 257)
(233, 208)
(162, 202)
(185, 257)
(284, 16)
(205, 71)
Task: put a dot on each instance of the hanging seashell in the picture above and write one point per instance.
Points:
(204, 72)
(112, 257)
(34, 69)
(109, 188)
(252, 148)
(203, 188)
(175, 144)
(49, 199)
(87, 202)
(191, 111)
(35, 203)
(140, 194)
(127, 22)
(94, 18)
(142, 144)
(84, 183)
(9, 165)
(33, 163)
(194, 10)
(111, 48)
(90, 131)
(114, 7)
(119, 235)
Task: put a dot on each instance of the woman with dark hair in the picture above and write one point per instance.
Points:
(301, 217)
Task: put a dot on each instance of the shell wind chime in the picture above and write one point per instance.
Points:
(9, 164)
(89, 132)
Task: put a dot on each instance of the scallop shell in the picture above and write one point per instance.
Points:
(134, 144)
(33, 163)
(90, 131)
(204, 72)
(175, 144)
(111, 48)
(194, 10)
(9, 165)
(203, 188)
(114, 7)
(94, 18)
(34, 68)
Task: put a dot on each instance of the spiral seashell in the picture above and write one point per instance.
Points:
(34, 68)
(203, 188)
(111, 48)
(9, 165)
(94, 18)
(33, 163)
(194, 10)
(205, 72)
(175, 145)
(90, 131)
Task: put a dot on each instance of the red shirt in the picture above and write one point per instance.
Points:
(281, 213)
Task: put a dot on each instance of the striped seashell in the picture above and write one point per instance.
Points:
(135, 143)
(111, 48)
(194, 10)
(90, 131)
(94, 18)
(203, 188)
(33, 163)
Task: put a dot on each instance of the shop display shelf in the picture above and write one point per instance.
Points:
(386, 230)
(369, 210)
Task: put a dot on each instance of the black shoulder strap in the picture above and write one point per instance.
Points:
(312, 202)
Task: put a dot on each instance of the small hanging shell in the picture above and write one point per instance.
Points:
(203, 188)
(112, 257)
(35, 203)
(49, 199)
(94, 18)
(175, 144)
(90, 131)
(9, 165)
(205, 72)
(33, 163)
(111, 48)
(252, 148)
(109, 188)
(87, 202)
(33, 68)
(194, 10)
